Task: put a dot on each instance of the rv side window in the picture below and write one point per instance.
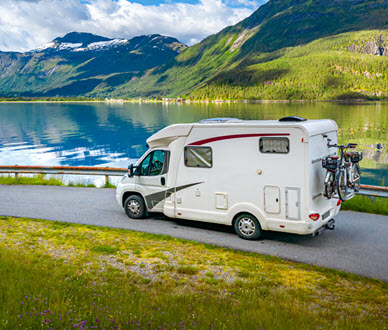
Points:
(274, 145)
(198, 157)
(145, 165)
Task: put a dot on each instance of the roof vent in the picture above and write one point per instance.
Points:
(219, 120)
(292, 118)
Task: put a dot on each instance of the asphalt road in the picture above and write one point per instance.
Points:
(358, 245)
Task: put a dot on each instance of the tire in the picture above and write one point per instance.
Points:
(134, 207)
(247, 227)
(356, 177)
(342, 184)
(329, 185)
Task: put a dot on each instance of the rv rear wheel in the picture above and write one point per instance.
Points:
(134, 207)
(247, 227)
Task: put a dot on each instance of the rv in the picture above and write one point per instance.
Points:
(253, 175)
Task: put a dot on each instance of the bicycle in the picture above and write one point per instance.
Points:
(342, 172)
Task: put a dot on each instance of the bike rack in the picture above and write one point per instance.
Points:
(348, 196)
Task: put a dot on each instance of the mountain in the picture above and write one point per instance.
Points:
(79, 37)
(79, 62)
(287, 49)
(271, 51)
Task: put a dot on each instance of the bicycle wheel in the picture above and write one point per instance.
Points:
(329, 185)
(356, 177)
(342, 184)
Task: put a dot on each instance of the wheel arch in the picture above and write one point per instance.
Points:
(246, 208)
(130, 193)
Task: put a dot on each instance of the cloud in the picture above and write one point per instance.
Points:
(29, 24)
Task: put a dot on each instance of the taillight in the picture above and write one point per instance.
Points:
(314, 216)
(339, 202)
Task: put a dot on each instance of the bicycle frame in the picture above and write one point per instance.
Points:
(348, 167)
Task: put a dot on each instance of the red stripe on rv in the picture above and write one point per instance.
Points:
(228, 137)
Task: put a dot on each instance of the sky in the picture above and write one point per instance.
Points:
(29, 24)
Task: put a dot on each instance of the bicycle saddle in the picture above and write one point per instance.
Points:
(334, 157)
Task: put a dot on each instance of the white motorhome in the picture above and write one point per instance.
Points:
(253, 175)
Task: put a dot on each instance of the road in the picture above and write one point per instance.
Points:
(358, 245)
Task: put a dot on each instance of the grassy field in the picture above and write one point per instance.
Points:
(367, 204)
(58, 275)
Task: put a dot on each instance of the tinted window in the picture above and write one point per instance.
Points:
(157, 162)
(198, 157)
(274, 145)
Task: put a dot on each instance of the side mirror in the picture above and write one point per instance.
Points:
(130, 170)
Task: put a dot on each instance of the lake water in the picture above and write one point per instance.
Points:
(99, 134)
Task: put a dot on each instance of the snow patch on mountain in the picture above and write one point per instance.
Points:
(69, 46)
(48, 45)
(101, 45)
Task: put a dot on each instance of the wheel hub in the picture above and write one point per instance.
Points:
(247, 226)
(134, 207)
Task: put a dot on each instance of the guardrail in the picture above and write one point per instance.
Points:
(375, 191)
(77, 170)
(366, 190)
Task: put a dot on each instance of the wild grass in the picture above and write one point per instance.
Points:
(81, 184)
(41, 179)
(366, 204)
(59, 275)
(108, 185)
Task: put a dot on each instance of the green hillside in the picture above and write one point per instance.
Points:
(268, 45)
(325, 69)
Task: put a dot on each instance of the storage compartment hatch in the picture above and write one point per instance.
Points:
(272, 199)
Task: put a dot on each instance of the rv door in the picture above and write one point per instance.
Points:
(152, 177)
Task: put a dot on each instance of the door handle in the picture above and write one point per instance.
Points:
(163, 181)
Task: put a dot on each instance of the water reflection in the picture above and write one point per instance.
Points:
(96, 134)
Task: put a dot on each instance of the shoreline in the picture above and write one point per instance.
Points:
(355, 101)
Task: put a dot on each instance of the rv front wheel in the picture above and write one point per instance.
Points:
(247, 227)
(134, 207)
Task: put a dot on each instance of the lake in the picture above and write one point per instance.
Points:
(114, 134)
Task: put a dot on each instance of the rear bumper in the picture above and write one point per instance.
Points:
(329, 226)
(305, 226)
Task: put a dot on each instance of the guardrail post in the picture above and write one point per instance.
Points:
(16, 175)
(106, 179)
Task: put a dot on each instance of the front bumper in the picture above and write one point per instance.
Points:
(119, 194)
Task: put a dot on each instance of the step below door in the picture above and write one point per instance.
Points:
(293, 203)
